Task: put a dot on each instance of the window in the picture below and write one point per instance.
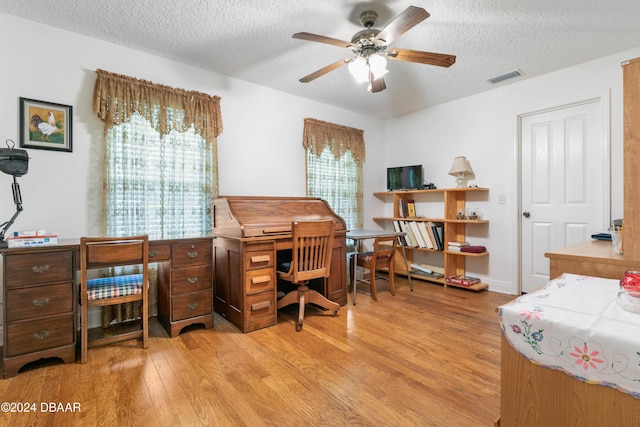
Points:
(334, 156)
(160, 157)
(338, 181)
(159, 185)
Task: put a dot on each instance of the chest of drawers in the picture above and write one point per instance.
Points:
(39, 316)
(185, 287)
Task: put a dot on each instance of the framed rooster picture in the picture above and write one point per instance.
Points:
(45, 125)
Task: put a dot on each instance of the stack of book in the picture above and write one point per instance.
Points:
(32, 238)
(459, 280)
(456, 246)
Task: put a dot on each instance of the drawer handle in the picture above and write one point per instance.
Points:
(192, 280)
(260, 279)
(41, 335)
(40, 268)
(260, 258)
(153, 253)
(39, 302)
(192, 254)
(260, 305)
(192, 306)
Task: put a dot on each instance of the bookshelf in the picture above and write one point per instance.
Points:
(453, 200)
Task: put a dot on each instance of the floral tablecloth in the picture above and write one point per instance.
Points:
(575, 325)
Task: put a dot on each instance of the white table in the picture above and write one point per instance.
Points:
(359, 235)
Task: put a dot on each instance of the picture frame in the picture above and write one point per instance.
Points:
(45, 125)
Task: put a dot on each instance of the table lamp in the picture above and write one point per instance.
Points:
(13, 162)
(460, 168)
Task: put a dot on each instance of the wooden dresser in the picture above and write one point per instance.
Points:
(185, 287)
(39, 306)
(40, 302)
(251, 234)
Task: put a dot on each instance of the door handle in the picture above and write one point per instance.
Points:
(526, 214)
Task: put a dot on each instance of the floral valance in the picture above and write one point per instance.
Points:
(116, 97)
(318, 135)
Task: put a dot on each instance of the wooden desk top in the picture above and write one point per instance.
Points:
(590, 250)
(591, 258)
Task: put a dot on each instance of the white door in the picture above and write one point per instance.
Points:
(565, 183)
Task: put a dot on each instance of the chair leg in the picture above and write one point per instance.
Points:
(302, 292)
(392, 285)
(372, 283)
(84, 330)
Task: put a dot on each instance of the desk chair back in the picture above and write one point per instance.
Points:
(312, 248)
(98, 253)
(311, 259)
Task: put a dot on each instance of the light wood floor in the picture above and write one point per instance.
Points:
(425, 358)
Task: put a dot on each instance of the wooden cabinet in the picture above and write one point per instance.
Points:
(449, 202)
(185, 285)
(39, 306)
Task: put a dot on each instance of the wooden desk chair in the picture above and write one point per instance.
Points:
(103, 252)
(384, 248)
(311, 259)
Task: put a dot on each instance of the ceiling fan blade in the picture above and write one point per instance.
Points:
(322, 39)
(322, 71)
(411, 17)
(429, 58)
(377, 85)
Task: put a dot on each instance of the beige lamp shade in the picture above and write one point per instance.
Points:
(460, 168)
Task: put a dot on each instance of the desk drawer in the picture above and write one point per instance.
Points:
(257, 281)
(159, 253)
(260, 305)
(188, 254)
(184, 280)
(32, 269)
(261, 258)
(36, 335)
(191, 305)
(39, 301)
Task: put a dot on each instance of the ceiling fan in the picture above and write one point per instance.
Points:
(370, 48)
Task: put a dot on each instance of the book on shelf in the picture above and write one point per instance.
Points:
(473, 249)
(411, 208)
(422, 226)
(397, 227)
(417, 233)
(459, 244)
(461, 280)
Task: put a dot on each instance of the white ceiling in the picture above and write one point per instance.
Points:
(251, 40)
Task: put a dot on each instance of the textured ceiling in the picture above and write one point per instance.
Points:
(251, 40)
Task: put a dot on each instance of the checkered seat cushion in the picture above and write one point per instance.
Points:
(117, 286)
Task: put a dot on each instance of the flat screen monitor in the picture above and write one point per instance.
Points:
(404, 177)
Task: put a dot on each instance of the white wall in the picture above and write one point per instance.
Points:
(484, 128)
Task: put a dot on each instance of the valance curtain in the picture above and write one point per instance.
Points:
(318, 135)
(117, 97)
(334, 156)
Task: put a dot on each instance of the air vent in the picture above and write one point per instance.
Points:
(505, 76)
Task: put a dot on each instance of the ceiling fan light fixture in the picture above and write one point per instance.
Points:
(359, 69)
(378, 65)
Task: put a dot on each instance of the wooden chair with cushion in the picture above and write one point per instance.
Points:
(384, 248)
(98, 253)
(311, 259)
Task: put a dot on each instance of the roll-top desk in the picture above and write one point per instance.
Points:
(250, 232)
(40, 302)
